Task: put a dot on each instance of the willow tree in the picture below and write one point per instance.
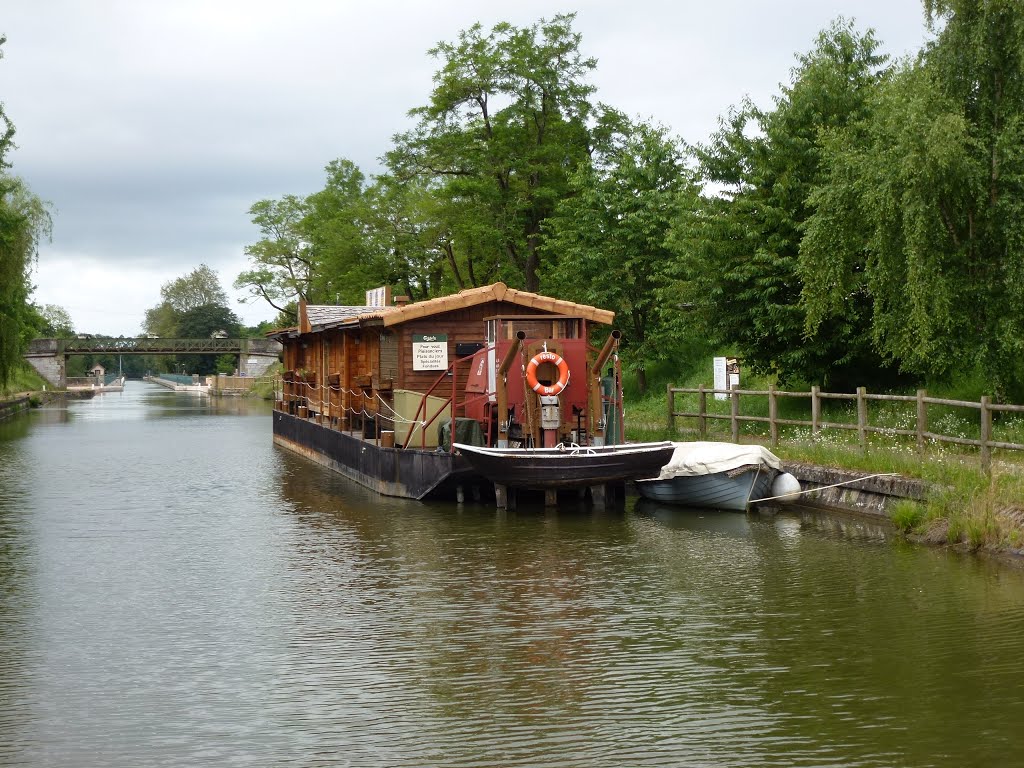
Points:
(24, 220)
(504, 127)
(922, 205)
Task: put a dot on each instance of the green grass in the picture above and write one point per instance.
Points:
(907, 515)
(25, 379)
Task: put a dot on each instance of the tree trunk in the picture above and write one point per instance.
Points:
(641, 380)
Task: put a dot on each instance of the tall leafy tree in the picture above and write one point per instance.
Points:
(56, 322)
(505, 126)
(283, 268)
(334, 227)
(738, 250)
(24, 220)
(923, 203)
(609, 236)
(199, 290)
(202, 322)
(409, 243)
(313, 248)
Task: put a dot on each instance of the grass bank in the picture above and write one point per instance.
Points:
(24, 381)
(968, 508)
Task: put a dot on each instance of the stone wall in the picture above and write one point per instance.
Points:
(50, 367)
(9, 408)
(859, 493)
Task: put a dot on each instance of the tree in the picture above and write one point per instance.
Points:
(739, 249)
(609, 236)
(198, 288)
(283, 267)
(409, 244)
(505, 126)
(56, 322)
(923, 202)
(24, 220)
(333, 226)
(203, 322)
(312, 248)
(161, 321)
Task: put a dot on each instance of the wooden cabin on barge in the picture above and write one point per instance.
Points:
(380, 393)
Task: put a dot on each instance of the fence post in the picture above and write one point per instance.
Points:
(986, 434)
(773, 415)
(922, 420)
(702, 409)
(734, 409)
(671, 410)
(815, 410)
(862, 417)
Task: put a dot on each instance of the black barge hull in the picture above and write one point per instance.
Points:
(409, 473)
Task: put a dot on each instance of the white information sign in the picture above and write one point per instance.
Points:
(430, 352)
(377, 297)
(720, 378)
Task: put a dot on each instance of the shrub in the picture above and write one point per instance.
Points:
(906, 515)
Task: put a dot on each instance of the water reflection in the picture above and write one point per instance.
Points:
(177, 591)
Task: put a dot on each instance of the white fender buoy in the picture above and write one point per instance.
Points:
(785, 488)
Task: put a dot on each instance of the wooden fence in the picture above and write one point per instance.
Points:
(986, 408)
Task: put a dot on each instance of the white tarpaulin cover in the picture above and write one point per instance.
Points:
(704, 458)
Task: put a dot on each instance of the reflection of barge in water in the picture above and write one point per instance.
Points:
(382, 393)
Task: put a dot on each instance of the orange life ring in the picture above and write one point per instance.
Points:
(563, 373)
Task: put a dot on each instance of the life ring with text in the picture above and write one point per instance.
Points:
(563, 373)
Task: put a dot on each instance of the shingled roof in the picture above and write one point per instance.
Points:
(318, 317)
(322, 316)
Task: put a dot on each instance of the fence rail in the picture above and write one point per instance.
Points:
(862, 398)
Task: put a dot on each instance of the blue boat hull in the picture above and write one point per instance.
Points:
(723, 490)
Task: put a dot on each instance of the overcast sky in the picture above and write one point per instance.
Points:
(153, 125)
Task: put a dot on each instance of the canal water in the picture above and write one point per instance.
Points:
(176, 591)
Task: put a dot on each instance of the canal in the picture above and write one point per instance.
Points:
(176, 591)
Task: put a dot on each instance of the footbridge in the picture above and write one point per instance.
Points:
(49, 356)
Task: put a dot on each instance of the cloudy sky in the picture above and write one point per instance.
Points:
(152, 126)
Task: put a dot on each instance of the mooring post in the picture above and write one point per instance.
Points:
(504, 496)
(599, 497)
(550, 497)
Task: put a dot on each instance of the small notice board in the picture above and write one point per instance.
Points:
(430, 352)
(727, 375)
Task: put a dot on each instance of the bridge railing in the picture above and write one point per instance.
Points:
(177, 378)
(107, 345)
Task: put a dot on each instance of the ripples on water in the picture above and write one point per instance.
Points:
(176, 591)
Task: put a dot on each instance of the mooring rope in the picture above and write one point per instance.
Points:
(824, 487)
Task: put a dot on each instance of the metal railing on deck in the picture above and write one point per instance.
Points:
(359, 409)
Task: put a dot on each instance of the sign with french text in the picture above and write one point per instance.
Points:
(430, 352)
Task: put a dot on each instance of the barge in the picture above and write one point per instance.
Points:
(383, 393)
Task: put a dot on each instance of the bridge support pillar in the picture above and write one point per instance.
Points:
(257, 355)
(254, 365)
(49, 362)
